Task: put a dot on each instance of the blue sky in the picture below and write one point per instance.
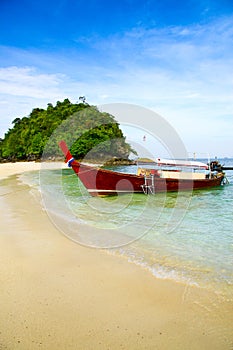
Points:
(174, 57)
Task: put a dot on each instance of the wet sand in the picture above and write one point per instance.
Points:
(56, 294)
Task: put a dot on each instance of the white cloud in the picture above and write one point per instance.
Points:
(25, 81)
(183, 73)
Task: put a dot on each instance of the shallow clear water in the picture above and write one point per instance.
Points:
(187, 236)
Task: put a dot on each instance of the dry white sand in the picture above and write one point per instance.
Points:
(56, 294)
(8, 169)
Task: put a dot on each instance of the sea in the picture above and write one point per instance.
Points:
(185, 236)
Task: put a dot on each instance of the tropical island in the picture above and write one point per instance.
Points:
(93, 134)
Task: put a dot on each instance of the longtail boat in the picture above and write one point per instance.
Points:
(169, 176)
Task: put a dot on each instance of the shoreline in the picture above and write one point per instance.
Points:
(9, 169)
(56, 294)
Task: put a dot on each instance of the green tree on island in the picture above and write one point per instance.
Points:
(89, 132)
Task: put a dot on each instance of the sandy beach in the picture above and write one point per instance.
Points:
(56, 294)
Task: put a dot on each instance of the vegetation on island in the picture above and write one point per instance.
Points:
(90, 133)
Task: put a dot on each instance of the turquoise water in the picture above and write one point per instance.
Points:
(187, 236)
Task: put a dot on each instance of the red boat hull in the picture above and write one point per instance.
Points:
(100, 182)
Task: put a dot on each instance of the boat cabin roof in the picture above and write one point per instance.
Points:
(181, 163)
